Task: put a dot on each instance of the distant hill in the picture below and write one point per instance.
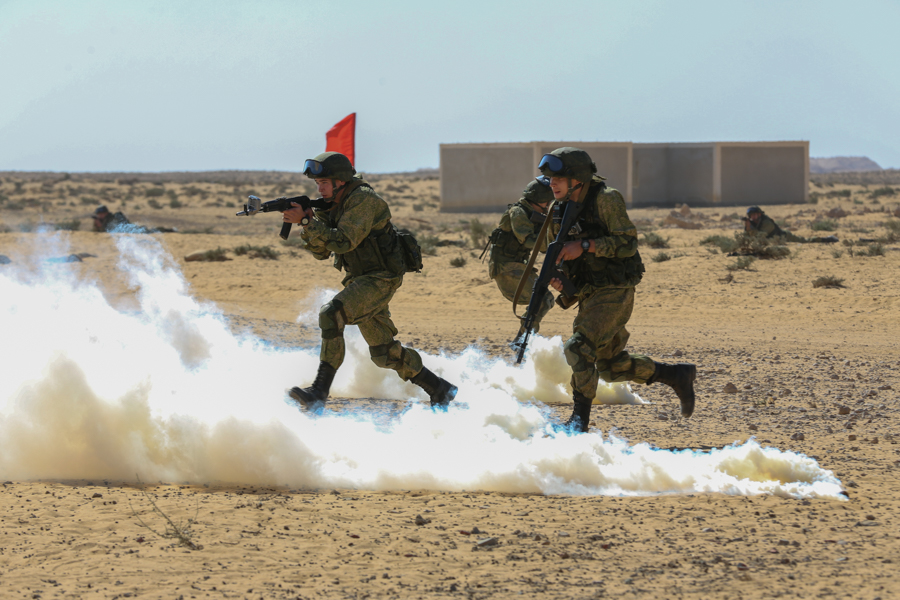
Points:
(842, 164)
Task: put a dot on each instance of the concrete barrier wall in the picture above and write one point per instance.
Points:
(488, 177)
(765, 174)
(484, 177)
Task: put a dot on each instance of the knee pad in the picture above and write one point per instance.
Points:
(384, 358)
(579, 352)
(332, 320)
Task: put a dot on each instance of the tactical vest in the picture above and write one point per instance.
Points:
(379, 251)
(505, 246)
(776, 230)
(596, 271)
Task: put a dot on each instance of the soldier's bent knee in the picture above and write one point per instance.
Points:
(332, 320)
(579, 352)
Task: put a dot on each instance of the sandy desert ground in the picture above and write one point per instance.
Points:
(802, 369)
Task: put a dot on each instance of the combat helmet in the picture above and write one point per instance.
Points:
(573, 163)
(754, 209)
(538, 191)
(329, 165)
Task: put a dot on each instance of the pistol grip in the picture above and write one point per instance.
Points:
(285, 231)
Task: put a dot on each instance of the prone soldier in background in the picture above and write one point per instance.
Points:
(602, 261)
(513, 239)
(105, 221)
(757, 220)
(358, 232)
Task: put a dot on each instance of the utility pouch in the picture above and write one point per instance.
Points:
(412, 252)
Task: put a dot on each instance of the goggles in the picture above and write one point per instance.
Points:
(552, 163)
(313, 167)
(543, 180)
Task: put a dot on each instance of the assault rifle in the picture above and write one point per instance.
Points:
(255, 205)
(549, 270)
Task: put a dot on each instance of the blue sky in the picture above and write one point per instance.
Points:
(174, 85)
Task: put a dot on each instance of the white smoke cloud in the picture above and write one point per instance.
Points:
(169, 393)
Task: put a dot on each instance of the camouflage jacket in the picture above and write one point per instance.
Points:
(358, 232)
(768, 226)
(111, 222)
(615, 261)
(515, 236)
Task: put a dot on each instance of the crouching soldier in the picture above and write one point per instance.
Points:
(358, 231)
(757, 220)
(512, 242)
(601, 260)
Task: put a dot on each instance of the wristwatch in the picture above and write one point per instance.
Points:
(585, 245)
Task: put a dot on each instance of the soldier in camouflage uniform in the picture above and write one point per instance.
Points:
(757, 220)
(513, 240)
(358, 232)
(105, 221)
(601, 259)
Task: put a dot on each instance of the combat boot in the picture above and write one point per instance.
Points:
(580, 420)
(313, 398)
(680, 378)
(438, 389)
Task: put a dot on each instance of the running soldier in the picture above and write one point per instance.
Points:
(512, 241)
(602, 261)
(358, 232)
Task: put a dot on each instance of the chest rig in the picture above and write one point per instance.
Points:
(378, 251)
(592, 270)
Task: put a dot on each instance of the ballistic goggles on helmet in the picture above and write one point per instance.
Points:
(313, 167)
(552, 163)
(543, 180)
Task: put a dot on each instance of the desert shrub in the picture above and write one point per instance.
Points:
(155, 192)
(654, 240)
(175, 203)
(756, 243)
(824, 225)
(418, 207)
(874, 249)
(741, 264)
(14, 206)
(206, 230)
(192, 191)
(883, 191)
(813, 197)
(893, 226)
(73, 225)
(478, 231)
(837, 252)
(828, 281)
(256, 251)
(722, 242)
(217, 255)
(661, 257)
(429, 244)
(3, 198)
(459, 261)
(153, 203)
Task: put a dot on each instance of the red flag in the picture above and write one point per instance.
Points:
(342, 137)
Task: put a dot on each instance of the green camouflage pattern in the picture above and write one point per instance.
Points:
(364, 300)
(768, 226)
(597, 347)
(621, 241)
(537, 193)
(507, 278)
(507, 273)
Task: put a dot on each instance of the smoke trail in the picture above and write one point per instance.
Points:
(169, 392)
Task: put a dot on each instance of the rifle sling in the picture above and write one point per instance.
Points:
(534, 252)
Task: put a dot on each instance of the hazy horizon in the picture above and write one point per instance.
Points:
(100, 86)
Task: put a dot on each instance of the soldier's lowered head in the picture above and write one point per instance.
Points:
(754, 214)
(330, 170)
(538, 191)
(568, 169)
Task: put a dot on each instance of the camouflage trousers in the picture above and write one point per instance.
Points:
(507, 276)
(597, 348)
(364, 302)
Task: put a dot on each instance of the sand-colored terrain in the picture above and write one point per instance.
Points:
(813, 370)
